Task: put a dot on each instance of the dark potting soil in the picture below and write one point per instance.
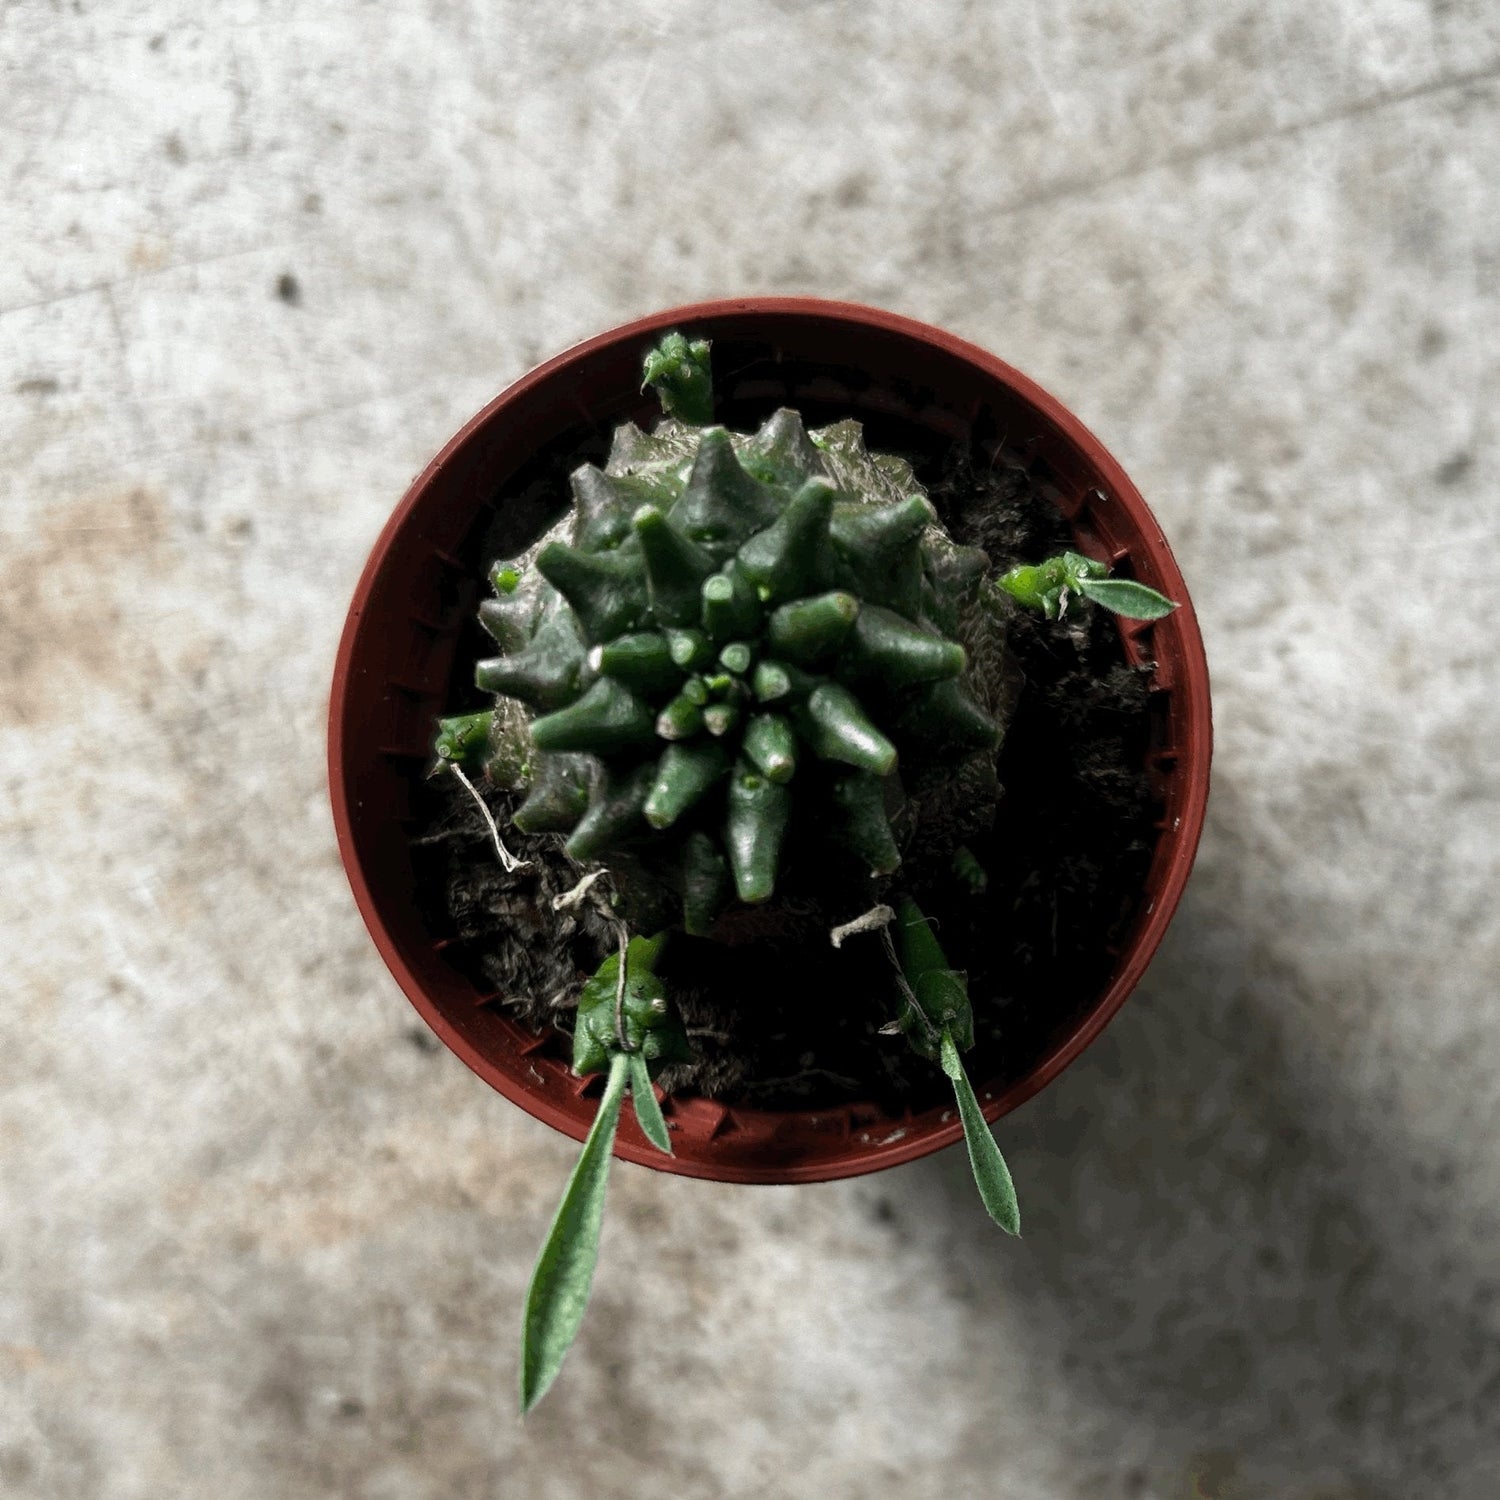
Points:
(778, 1016)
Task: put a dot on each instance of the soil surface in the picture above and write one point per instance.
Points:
(778, 1016)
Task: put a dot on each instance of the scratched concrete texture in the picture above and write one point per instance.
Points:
(258, 1236)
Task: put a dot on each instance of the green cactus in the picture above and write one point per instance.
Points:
(734, 640)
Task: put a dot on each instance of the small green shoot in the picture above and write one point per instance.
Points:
(464, 740)
(624, 1027)
(938, 1021)
(969, 872)
(1048, 586)
(681, 374)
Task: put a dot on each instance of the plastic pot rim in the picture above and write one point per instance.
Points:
(703, 1119)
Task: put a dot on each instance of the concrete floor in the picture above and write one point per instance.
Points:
(258, 1238)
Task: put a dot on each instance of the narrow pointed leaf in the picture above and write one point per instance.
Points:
(647, 1107)
(917, 947)
(938, 996)
(559, 1290)
(1135, 601)
(991, 1175)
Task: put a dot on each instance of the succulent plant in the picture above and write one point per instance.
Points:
(735, 645)
(729, 638)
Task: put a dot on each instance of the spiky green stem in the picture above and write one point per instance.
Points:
(718, 612)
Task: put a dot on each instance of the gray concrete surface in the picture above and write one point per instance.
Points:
(258, 1239)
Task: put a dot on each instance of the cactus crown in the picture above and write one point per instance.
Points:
(728, 635)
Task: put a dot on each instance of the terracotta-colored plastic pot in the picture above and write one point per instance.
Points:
(399, 666)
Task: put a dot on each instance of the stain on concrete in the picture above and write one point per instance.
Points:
(66, 598)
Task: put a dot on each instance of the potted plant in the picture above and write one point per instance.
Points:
(737, 777)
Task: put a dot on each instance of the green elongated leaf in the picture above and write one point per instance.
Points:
(991, 1175)
(647, 1108)
(1126, 597)
(559, 1290)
